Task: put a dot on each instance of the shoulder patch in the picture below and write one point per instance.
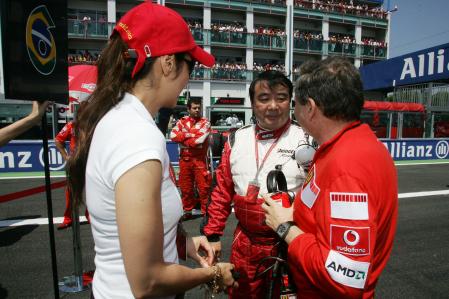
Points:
(231, 139)
(346, 271)
(351, 206)
(310, 189)
(231, 136)
(245, 127)
(350, 240)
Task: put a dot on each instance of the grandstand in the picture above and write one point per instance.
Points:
(246, 37)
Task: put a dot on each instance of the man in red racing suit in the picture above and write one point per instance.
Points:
(344, 218)
(192, 133)
(250, 154)
(67, 133)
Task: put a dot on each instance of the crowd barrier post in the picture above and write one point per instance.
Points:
(51, 230)
(74, 283)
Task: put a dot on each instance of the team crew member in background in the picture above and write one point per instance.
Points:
(344, 218)
(249, 154)
(192, 133)
(21, 126)
(134, 205)
(67, 133)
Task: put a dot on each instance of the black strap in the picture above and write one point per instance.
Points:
(276, 181)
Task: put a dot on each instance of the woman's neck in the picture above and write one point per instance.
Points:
(148, 96)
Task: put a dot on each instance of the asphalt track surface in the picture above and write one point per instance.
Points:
(418, 267)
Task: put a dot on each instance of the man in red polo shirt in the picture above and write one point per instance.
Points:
(340, 231)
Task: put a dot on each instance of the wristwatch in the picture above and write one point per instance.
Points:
(283, 229)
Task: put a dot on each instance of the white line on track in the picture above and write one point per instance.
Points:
(34, 221)
(397, 163)
(423, 193)
(57, 220)
(30, 177)
(415, 163)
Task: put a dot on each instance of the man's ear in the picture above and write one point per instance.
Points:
(311, 107)
(167, 64)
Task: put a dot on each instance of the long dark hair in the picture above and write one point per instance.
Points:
(114, 80)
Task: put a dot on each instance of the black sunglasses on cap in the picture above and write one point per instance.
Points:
(190, 64)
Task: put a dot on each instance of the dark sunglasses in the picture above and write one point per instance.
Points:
(190, 64)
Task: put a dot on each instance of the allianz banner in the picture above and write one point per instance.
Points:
(27, 156)
(417, 149)
(427, 65)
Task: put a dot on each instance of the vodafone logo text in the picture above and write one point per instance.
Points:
(350, 240)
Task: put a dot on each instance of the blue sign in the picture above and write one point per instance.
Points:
(173, 152)
(427, 65)
(417, 149)
(27, 156)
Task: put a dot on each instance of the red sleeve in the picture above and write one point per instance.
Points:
(337, 257)
(176, 134)
(65, 134)
(219, 207)
(198, 135)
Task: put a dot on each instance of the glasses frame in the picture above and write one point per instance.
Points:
(190, 65)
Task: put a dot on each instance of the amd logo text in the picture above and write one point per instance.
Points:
(346, 271)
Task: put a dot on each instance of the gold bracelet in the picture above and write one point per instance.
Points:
(215, 284)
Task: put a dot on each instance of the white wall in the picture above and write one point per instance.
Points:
(229, 17)
(89, 5)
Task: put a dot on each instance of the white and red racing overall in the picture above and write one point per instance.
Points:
(68, 133)
(347, 209)
(192, 135)
(253, 240)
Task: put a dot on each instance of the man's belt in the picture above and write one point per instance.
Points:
(198, 152)
(259, 238)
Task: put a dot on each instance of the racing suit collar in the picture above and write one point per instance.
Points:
(194, 119)
(325, 145)
(263, 134)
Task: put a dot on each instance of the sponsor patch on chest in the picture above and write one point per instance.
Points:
(285, 152)
(351, 206)
(310, 189)
(350, 240)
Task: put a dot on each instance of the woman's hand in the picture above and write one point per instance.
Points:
(217, 250)
(199, 249)
(227, 280)
(38, 109)
(275, 214)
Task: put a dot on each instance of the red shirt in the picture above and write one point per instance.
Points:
(347, 209)
(192, 134)
(67, 133)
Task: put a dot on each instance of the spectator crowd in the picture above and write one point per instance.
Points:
(273, 37)
(88, 25)
(264, 36)
(338, 6)
(345, 7)
(83, 57)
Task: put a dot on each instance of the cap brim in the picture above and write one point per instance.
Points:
(202, 56)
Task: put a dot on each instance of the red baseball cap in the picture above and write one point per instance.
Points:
(154, 30)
